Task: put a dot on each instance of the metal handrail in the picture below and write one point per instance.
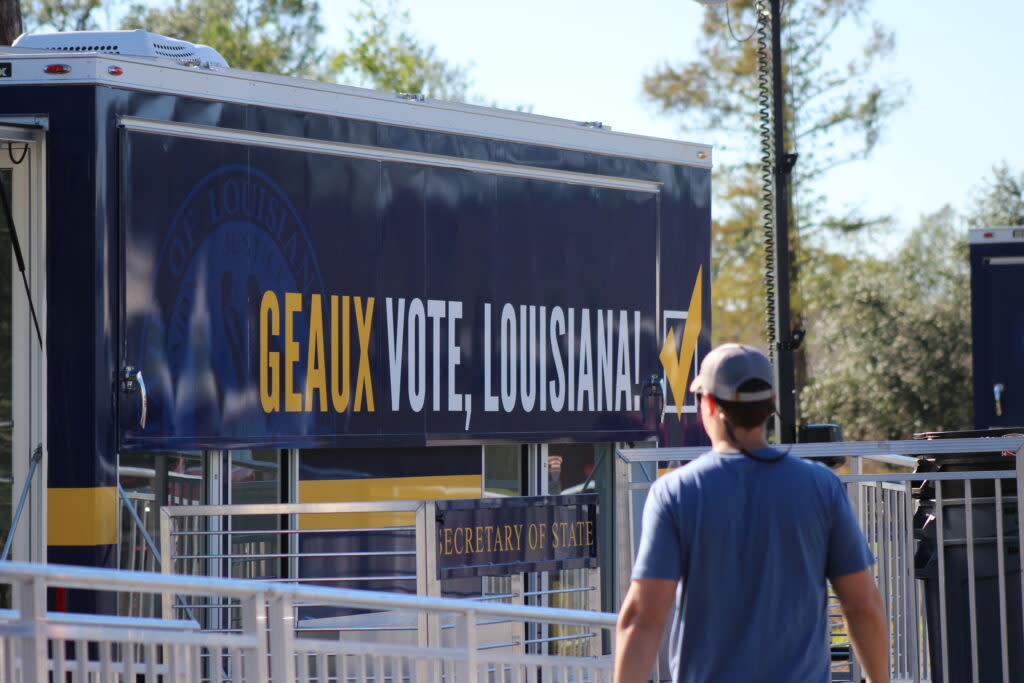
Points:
(866, 449)
(288, 508)
(263, 643)
(70, 576)
(37, 456)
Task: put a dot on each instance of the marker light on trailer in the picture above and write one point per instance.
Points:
(115, 70)
(56, 68)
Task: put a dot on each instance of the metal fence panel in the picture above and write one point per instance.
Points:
(265, 647)
(902, 525)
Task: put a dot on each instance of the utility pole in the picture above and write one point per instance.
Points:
(786, 341)
(785, 424)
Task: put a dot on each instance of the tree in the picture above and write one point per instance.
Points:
(384, 55)
(894, 352)
(10, 21)
(281, 36)
(1000, 201)
(272, 36)
(836, 111)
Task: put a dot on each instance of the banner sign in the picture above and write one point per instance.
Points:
(296, 299)
(500, 536)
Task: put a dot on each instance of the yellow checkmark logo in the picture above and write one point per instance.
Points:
(677, 367)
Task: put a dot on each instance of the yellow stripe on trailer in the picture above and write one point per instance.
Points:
(382, 489)
(81, 516)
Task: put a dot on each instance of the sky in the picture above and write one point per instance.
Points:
(963, 61)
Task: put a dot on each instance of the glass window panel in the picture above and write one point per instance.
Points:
(503, 468)
(570, 471)
(255, 476)
(150, 481)
(569, 466)
(256, 544)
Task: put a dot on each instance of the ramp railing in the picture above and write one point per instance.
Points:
(341, 545)
(265, 646)
(387, 546)
(947, 544)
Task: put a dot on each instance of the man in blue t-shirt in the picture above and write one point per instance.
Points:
(748, 535)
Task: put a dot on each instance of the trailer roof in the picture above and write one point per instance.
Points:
(1006, 233)
(25, 66)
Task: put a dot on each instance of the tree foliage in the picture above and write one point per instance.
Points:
(384, 54)
(280, 36)
(836, 110)
(1000, 201)
(60, 15)
(895, 339)
(272, 36)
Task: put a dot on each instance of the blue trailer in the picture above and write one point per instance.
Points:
(997, 319)
(253, 288)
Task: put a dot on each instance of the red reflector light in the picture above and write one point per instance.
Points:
(988, 235)
(56, 68)
(115, 70)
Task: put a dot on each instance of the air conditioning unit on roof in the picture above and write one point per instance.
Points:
(137, 43)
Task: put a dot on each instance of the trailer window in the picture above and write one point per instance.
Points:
(151, 481)
(503, 467)
(256, 546)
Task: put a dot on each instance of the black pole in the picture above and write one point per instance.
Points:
(786, 421)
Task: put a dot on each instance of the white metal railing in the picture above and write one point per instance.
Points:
(265, 646)
(331, 544)
(947, 545)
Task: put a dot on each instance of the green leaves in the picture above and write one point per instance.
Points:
(894, 338)
(59, 15)
(385, 55)
(273, 36)
(836, 112)
(282, 37)
(1000, 200)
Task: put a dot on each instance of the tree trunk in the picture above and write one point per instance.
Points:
(10, 21)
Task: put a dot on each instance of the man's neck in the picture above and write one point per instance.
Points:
(751, 440)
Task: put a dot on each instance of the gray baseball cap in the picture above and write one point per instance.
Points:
(729, 366)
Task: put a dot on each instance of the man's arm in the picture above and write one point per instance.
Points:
(641, 622)
(865, 620)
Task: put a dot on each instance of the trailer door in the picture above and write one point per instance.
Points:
(999, 386)
(22, 387)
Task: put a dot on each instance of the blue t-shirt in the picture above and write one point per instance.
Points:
(753, 544)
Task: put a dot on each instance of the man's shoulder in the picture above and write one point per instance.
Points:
(691, 470)
(811, 468)
(815, 469)
(700, 473)
(807, 476)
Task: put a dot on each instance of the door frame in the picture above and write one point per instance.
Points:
(999, 358)
(28, 362)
